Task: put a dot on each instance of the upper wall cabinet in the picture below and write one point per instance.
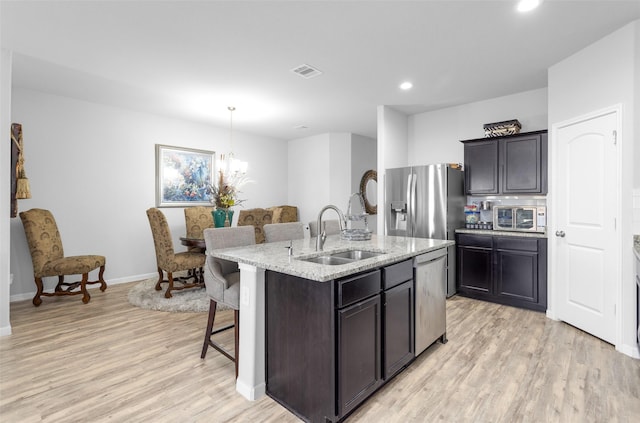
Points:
(514, 164)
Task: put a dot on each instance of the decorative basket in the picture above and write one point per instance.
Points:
(498, 129)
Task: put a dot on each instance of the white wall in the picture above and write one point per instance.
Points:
(363, 158)
(323, 170)
(339, 172)
(93, 166)
(602, 75)
(5, 193)
(434, 137)
(309, 189)
(393, 135)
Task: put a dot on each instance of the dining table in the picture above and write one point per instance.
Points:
(193, 242)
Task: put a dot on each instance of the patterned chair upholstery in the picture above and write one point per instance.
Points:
(169, 261)
(256, 218)
(48, 258)
(222, 279)
(284, 214)
(197, 219)
(274, 232)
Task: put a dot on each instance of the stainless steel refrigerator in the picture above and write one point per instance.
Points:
(426, 202)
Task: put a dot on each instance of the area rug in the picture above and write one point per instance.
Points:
(193, 300)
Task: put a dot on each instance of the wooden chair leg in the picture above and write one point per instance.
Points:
(167, 293)
(59, 285)
(83, 288)
(39, 289)
(207, 335)
(103, 283)
(160, 276)
(236, 320)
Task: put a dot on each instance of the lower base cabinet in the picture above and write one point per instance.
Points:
(504, 269)
(359, 372)
(330, 345)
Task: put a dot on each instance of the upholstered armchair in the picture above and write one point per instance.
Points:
(197, 219)
(256, 218)
(47, 256)
(222, 280)
(284, 214)
(169, 261)
(274, 232)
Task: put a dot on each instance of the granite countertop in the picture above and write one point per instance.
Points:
(501, 233)
(274, 256)
(636, 246)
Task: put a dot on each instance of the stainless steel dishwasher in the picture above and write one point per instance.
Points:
(430, 271)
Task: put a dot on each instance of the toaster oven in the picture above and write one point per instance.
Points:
(520, 218)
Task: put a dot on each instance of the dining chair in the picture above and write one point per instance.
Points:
(222, 281)
(197, 219)
(257, 218)
(47, 256)
(169, 261)
(274, 232)
(331, 227)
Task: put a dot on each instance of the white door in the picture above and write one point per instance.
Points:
(586, 207)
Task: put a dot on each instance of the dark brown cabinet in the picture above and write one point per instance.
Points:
(398, 317)
(330, 345)
(359, 370)
(359, 345)
(504, 269)
(514, 164)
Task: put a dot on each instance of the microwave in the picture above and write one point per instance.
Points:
(520, 218)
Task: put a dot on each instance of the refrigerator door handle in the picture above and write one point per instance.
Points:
(409, 210)
(414, 183)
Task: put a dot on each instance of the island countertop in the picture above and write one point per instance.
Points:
(274, 256)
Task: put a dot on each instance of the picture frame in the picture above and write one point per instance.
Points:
(183, 175)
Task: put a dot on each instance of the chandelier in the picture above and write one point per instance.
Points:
(229, 164)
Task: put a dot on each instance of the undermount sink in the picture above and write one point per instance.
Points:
(356, 254)
(343, 257)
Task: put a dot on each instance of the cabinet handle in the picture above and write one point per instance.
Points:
(560, 234)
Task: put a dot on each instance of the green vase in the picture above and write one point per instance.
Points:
(229, 217)
(219, 216)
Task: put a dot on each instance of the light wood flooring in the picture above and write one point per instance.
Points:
(110, 361)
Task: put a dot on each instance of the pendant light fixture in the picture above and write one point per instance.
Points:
(232, 164)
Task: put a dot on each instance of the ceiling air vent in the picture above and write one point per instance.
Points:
(306, 71)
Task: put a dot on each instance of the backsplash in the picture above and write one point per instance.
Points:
(498, 200)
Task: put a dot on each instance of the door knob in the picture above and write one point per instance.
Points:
(560, 234)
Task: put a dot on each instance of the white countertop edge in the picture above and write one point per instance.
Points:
(273, 256)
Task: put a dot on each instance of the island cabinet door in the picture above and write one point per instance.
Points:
(398, 328)
(359, 348)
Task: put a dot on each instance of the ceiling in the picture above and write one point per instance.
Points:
(192, 59)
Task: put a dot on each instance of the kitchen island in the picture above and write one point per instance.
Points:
(254, 261)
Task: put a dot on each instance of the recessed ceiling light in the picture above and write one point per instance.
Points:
(528, 5)
(406, 86)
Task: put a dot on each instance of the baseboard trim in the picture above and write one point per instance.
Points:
(5, 331)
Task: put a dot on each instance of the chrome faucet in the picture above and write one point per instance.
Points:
(322, 236)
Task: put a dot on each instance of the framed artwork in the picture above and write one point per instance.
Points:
(182, 176)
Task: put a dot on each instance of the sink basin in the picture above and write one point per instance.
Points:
(356, 254)
(343, 257)
(327, 260)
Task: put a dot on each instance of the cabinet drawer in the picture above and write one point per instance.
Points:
(475, 240)
(514, 243)
(357, 288)
(397, 273)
